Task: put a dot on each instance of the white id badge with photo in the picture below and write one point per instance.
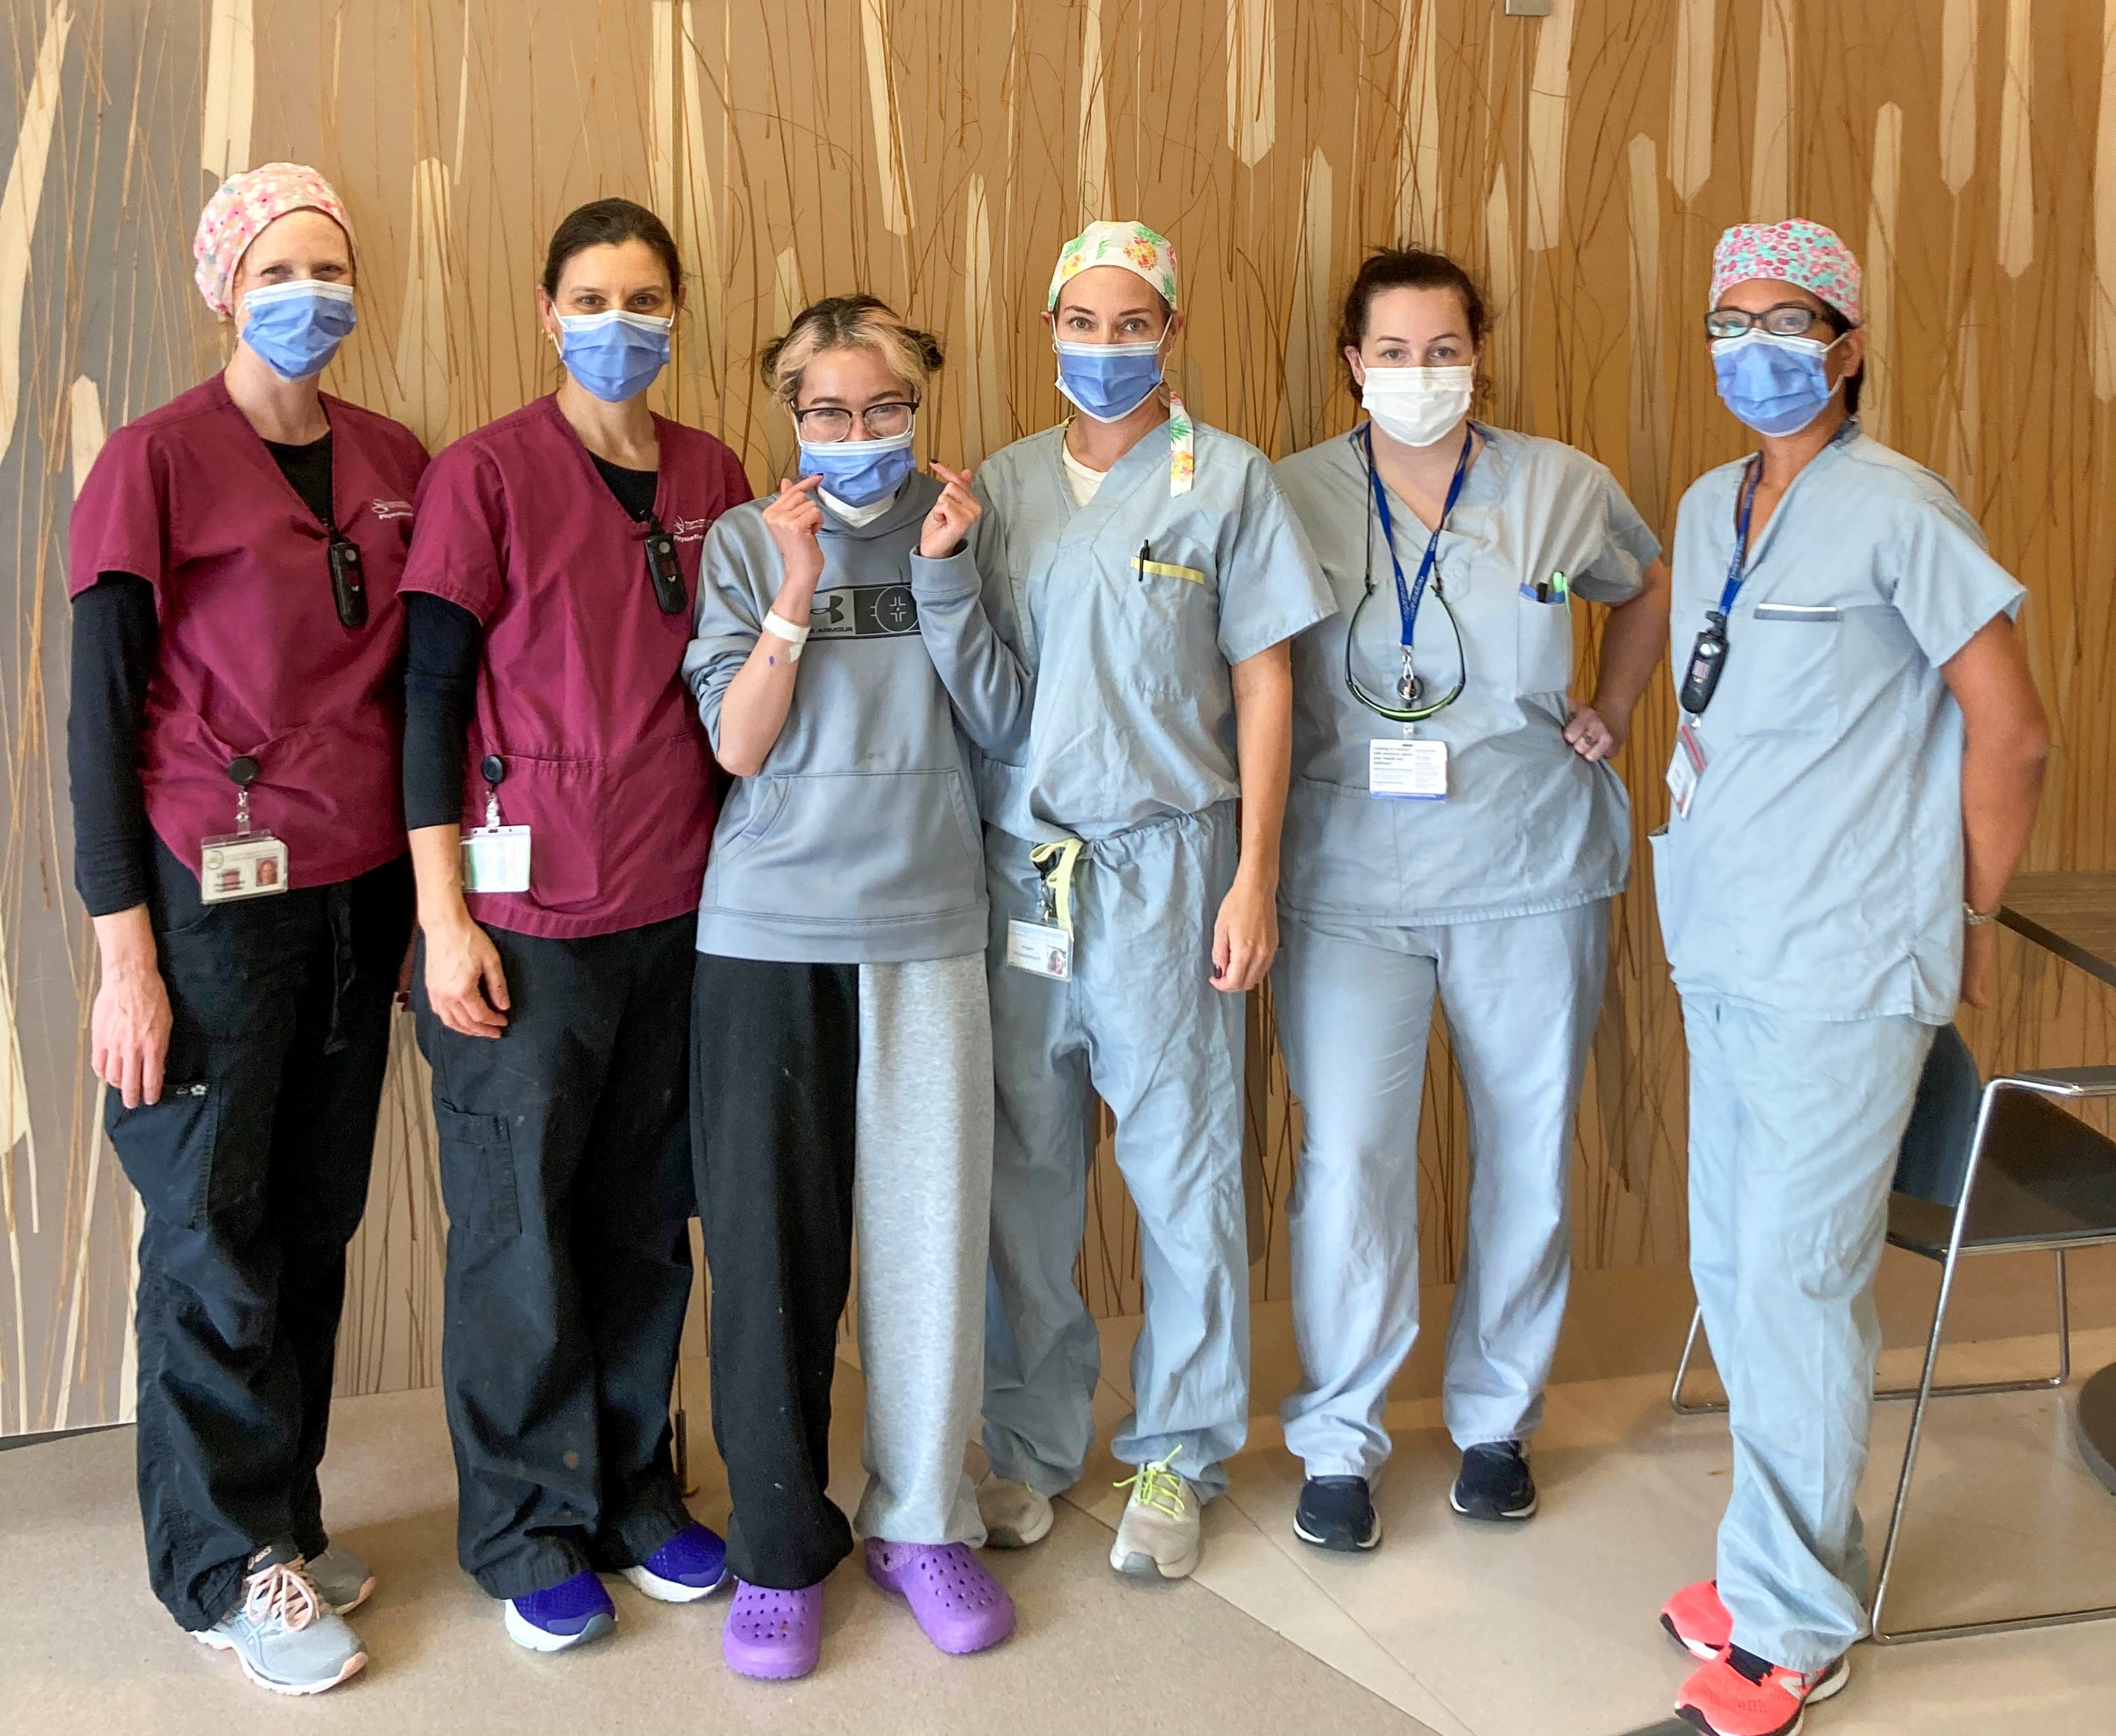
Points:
(1407, 770)
(244, 864)
(1041, 949)
(496, 859)
(1685, 769)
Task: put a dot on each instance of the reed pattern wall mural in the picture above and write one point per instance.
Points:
(937, 152)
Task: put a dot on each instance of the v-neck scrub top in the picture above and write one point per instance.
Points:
(1527, 825)
(1126, 612)
(580, 693)
(251, 658)
(1820, 873)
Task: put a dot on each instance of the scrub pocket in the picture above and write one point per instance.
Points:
(1543, 647)
(166, 1149)
(1782, 672)
(477, 1170)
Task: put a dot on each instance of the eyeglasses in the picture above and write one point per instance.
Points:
(1787, 320)
(882, 421)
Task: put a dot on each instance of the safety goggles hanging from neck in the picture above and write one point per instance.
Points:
(1409, 595)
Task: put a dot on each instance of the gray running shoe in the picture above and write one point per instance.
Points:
(341, 1579)
(281, 1633)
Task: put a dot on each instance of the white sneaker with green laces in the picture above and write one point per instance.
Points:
(282, 1634)
(341, 1578)
(1157, 1537)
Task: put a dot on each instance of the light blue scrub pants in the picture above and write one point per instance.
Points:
(1521, 994)
(1794, 1128)
(1141, 1023)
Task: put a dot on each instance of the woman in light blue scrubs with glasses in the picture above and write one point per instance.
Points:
(1454, 831)
(1855, 774)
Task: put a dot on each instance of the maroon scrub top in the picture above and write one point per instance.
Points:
(251, 657)
(580, 692)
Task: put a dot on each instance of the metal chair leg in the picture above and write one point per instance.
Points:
(1924, 1392)
(1675, 1399)
(1886, 1395)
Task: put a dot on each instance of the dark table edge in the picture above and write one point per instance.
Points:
(2051, 941)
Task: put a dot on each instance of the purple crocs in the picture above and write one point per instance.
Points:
(962, 1608)
(773, 1635)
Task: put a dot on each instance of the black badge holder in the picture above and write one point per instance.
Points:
(496, 857)
(348, 579)
(1708, 658)
(246, 863)
(663, 569)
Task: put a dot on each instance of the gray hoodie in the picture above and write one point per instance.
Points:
(858, 841)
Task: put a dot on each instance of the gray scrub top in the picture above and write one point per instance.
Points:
(1527, 825)
(1819, 872)
(1133, 717)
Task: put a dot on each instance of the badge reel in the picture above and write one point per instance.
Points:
(1404, 768)
(245, 863)
(664, 572)
(348, 587)
(496, 857)
(1041, 948)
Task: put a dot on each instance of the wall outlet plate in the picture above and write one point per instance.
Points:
(1528, 8)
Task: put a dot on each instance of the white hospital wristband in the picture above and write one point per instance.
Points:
(779, 627)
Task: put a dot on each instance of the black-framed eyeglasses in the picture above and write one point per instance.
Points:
(1787, 320)
(830, 423)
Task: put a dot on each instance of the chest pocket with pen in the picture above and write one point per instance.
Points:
(1782, 676)
(1543, 611)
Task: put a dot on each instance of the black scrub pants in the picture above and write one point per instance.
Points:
(565, 1167)
(252, 1168)
(773, 1107)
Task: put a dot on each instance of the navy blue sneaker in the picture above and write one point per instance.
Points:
(569, 1614)
(1338, 1513)
(1495, 1482)
(690, 1565)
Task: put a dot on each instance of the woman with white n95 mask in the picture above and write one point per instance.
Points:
(1455, 832)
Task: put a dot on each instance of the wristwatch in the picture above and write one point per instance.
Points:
(1975, 918)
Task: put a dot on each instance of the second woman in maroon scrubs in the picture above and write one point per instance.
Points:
(558, 790)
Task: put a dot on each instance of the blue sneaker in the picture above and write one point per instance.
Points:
(690, 1565)
(569, 1614)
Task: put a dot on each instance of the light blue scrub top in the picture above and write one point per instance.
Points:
(1527, 825)
(1820, 873)
(1133, 717)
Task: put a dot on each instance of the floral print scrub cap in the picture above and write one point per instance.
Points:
(1131, 245)
(1797, 251)
(238, 213)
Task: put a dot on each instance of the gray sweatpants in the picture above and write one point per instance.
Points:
(922, 1214)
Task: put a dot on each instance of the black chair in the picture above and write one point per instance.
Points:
(1996, 1168)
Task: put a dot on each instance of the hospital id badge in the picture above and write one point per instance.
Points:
(244, 864)
(1685, 769)
(496, 859)
(1041, 949)
(1407, 770)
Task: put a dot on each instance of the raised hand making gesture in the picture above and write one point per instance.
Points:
(947, 526)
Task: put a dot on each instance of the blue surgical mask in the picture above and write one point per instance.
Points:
(615, 355)
(296, 328)
(1108, 381)
(1777, 385)
(860, 472)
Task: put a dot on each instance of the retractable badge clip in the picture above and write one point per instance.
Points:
(496, 857)
(246, 863)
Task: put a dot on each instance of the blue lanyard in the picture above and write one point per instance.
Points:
(1409, 597)
(1737, 568)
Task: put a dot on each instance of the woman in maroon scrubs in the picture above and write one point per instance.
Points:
(559, 789)
(237, 657)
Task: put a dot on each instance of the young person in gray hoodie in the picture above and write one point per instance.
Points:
(841, 1046)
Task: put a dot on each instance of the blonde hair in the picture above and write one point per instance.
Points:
(849, 322)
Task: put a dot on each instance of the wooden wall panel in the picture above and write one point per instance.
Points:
(937, 152)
